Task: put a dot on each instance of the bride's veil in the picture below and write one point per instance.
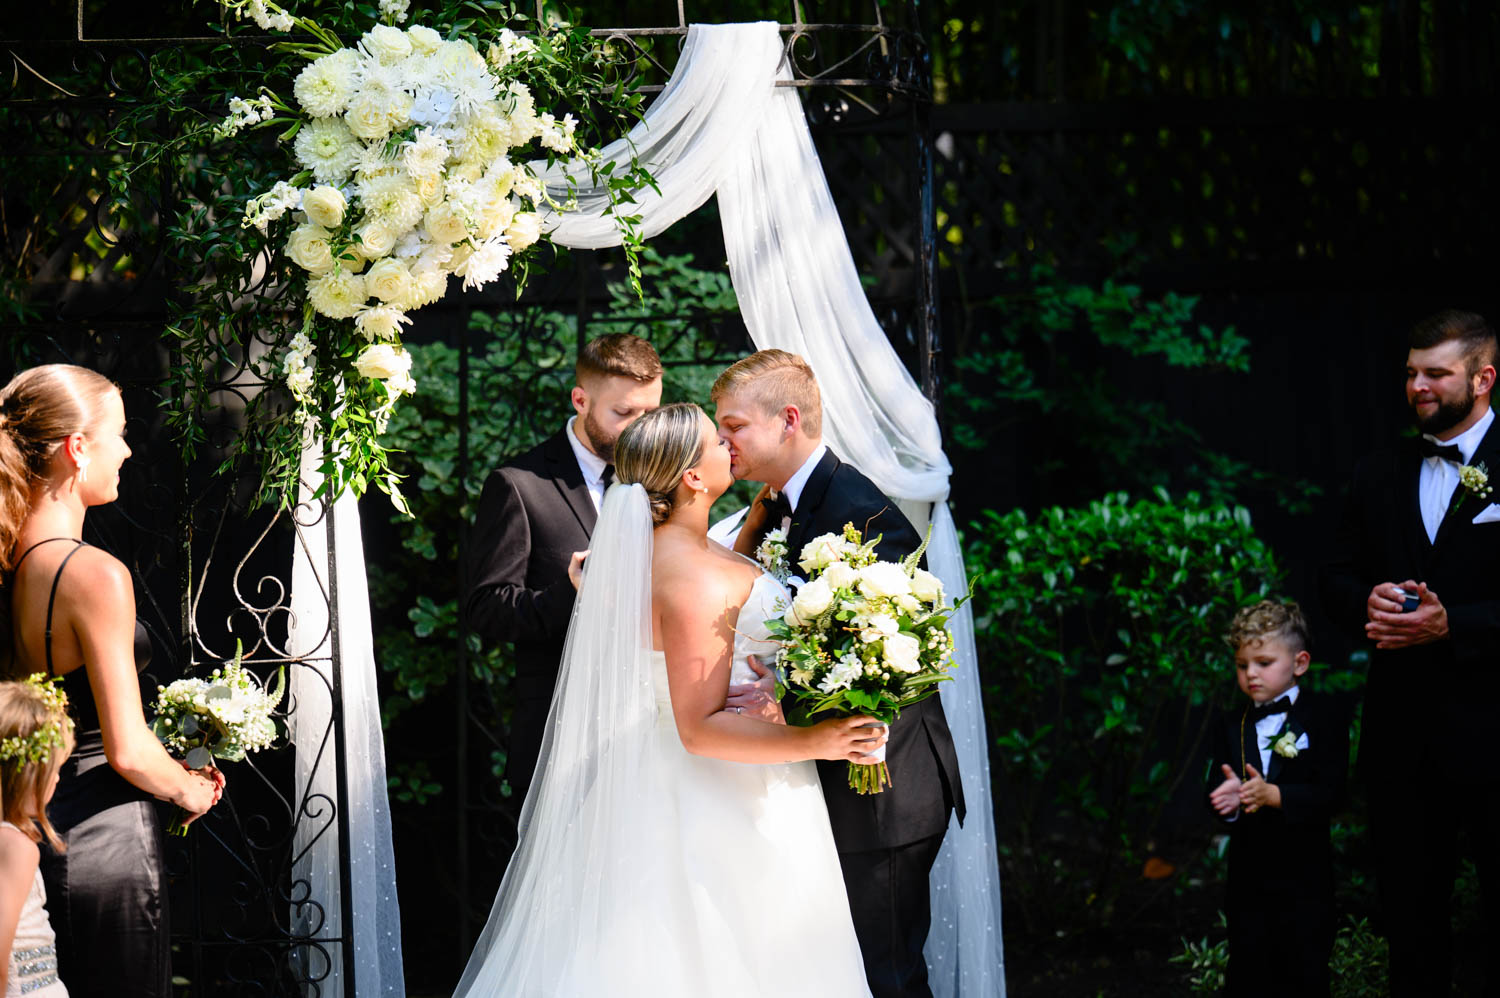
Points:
(586, 869)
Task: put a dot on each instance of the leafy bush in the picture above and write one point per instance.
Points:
(1100, 637)
(1207, 963)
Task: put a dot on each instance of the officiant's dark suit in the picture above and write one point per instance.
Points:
(887, 842)
(1281, 859)
(533, 514)
(1429, 708)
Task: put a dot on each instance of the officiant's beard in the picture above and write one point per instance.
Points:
(599, 439)
(1448, 414)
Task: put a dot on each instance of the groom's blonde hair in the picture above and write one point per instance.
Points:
(772, 380)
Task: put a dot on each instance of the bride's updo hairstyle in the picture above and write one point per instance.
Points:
(40, 408)
(656, 449)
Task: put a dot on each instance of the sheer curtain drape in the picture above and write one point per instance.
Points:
(723, 127)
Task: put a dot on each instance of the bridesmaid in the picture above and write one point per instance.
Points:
(72, 614)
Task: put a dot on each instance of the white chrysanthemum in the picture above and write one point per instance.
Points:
(388, 44)
(460, 70)
(308, 248)
(391, 199)
(373, 160)
(337, 294)
(427, 287)
(843, 674)
(555, 135)
(380, 322)
(425, 154)
(327, 148)
(324, 86)
(485, 137)
(485, 264)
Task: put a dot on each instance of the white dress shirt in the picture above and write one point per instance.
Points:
(591, 464)
(798, 481)
(1439, 477)
(1269, 727)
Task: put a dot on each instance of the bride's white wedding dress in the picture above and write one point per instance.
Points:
(644, 870)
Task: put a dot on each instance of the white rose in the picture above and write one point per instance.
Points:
(376, 239)
(839, 575)
(424, 40)
(324, 206)
(902, 653)
(821, 551)
(444, 225)
(381, 360)
(811, 600)
(429, 188)
(308, 248)
(523, 230)
(910, 604)
(386, 43)
(389, 280)
(884, 579)
(927, 587)
(369, 117)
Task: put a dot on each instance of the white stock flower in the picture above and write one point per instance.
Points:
(265, 20)
(380, 322)
(553, 135)
(445, 225)
(327, 148)
(527, 185)
(821, 551)
(927, 587)
(488, 261)
(308, 248)
(839, 575)
(424, 41)
(388, 280)
(394, 9)
(272, 205)
(809, 603)
(337, 294)
(324, 86)
(884, 579)
(524, 229)
(391, 199)
(902, 653)
(386, 43)
(381, 360)
(324, 206)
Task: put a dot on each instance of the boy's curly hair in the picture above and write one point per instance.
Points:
(1269, 618)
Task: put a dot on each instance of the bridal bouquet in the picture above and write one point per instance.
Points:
(863, 636)
(405, 161)
(223, 716)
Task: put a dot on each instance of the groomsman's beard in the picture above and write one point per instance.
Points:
(599, 440)
(1448, 414)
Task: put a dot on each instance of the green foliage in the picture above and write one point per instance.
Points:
(1360, 961)
(1101, 633)
(1043, 365)
(1207, 963)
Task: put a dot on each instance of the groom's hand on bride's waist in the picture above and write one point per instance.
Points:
(757, 699)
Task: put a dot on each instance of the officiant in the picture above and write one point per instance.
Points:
(533, 524)
(1419, 545)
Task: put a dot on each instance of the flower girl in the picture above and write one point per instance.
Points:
(35, 737)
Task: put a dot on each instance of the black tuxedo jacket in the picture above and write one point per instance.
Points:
(533, 514)
(1427, 708)
(920, 754)
(1285, 852)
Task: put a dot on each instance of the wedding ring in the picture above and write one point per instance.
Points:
(739, 710)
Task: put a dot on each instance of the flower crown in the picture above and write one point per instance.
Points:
(42, 742)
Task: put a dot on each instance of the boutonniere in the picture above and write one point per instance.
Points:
(1475, 481)
(1285, 744)
(772, 554)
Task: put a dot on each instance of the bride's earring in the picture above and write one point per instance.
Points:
(83, 468)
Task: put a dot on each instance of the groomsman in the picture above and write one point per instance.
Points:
(533, 524)
(770, 413)
(1418, 570)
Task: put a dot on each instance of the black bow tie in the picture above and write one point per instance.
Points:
(777, 508)
(1265, 710)
(1448, 452)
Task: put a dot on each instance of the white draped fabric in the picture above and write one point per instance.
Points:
(723, 127)
(373, 943)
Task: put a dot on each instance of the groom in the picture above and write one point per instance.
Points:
(770, 414)
(1415, 522)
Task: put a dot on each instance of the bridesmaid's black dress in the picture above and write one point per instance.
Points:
(107, 894)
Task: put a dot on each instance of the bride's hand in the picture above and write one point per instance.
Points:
(847, 738)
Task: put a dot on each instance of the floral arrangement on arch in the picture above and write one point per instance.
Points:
(407, 172)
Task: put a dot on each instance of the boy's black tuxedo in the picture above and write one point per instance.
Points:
(533, 514)
(1428, 714)
(1280, 896)
(887, 842)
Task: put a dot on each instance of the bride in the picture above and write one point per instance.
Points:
(669, 847)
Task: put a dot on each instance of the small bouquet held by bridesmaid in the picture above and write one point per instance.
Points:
(223, 716)
(863, 636)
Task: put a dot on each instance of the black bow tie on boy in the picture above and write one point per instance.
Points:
(1448, 452)
(1265, 710)
(777, 508)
